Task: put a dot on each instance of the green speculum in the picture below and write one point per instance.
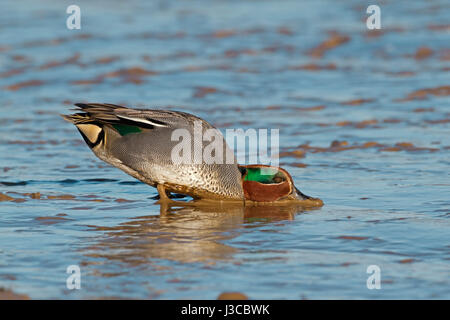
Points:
(124, 129)
(264, 175)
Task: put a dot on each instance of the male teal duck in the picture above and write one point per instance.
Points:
(139, 142)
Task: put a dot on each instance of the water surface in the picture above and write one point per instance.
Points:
(364, 119)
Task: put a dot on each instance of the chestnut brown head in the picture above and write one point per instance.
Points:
(262, 183)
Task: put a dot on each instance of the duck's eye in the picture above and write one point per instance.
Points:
(278, 179)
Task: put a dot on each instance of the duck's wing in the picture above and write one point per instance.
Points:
(115, 114)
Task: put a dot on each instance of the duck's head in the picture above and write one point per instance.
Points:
(263, 183)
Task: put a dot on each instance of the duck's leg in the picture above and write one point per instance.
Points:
(164, 201)
(162, 193)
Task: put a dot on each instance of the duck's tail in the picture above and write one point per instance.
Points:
(90, 119)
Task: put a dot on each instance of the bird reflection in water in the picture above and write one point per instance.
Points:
(184, 234)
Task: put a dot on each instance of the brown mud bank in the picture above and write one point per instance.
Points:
(6, 294)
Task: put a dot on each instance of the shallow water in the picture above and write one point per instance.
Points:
(364, 119)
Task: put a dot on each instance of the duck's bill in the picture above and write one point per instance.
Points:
(307, 200)
(300, 195)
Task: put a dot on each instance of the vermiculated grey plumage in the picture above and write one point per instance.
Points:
(146, 155)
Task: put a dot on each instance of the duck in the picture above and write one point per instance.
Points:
(141, 143)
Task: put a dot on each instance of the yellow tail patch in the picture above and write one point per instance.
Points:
(90, 131)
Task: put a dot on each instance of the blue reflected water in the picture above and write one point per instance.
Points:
(364, 125)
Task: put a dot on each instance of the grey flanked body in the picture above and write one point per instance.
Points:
(140, 143)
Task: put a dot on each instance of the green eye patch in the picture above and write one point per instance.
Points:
(265, 176)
